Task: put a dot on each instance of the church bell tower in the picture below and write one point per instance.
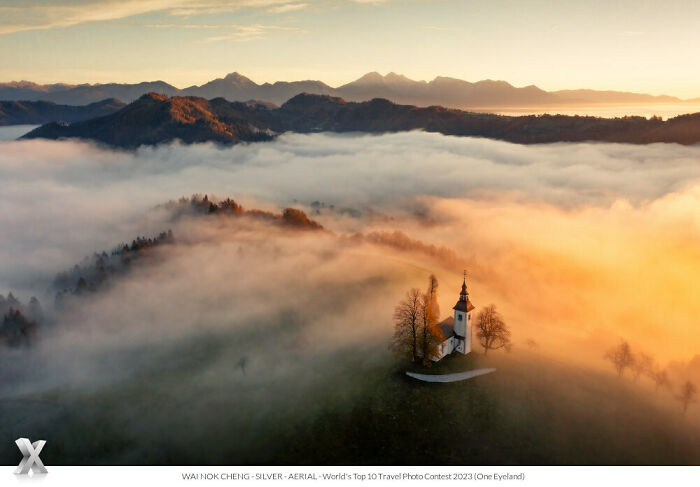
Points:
(463, 319)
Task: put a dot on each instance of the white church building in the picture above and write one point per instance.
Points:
(457, 329)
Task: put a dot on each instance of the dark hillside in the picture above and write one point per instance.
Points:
(530, 411)
(155, 119)
(40, 112)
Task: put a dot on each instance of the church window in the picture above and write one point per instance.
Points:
(459, 317)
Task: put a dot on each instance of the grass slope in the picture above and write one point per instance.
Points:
(360, 410)
(529, 411)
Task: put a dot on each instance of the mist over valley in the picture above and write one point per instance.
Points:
(257, 313)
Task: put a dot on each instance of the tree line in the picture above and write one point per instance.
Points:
(97, 270)
(203, 205)
(642, 364)
(19, 322)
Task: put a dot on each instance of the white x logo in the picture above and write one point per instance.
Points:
(31, 458)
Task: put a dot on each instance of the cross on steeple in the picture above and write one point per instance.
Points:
(464, 292)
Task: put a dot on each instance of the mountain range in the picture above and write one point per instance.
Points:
(443, 91)
(155, 119)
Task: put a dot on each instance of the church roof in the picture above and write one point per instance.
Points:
(447, 327)
(464, 305)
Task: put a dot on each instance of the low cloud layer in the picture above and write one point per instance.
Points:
(62, 200)
(577, 238)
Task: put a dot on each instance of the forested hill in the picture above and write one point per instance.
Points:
(155, 119)
(38, 112)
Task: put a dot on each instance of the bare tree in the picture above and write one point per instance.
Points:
(660, 378)
(242, 364)
(687, 395)
(492, 330)
(407, 317)
(621, 357)
(643, 365)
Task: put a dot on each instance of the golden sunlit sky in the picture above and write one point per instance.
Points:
(631, 45)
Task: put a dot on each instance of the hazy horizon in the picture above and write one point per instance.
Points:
(691, 100)
(633, 47)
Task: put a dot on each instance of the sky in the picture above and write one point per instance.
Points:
(631, 45)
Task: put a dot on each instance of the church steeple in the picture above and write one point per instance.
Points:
(464, 305)
(464, 293)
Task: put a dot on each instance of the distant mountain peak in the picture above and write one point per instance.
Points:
(395, 77)
(23, 84)
(376, 78)
(372, 77)
(494, 82)
(239, 79)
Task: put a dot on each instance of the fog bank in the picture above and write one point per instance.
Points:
(572, 241)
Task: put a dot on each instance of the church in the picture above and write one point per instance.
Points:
(457, 329)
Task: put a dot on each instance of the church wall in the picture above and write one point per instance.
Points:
(468, 335)
(445, 348)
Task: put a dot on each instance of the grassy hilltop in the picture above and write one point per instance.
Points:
(366, 411)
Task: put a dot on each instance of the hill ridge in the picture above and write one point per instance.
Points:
(155, 119)
(40, 112)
